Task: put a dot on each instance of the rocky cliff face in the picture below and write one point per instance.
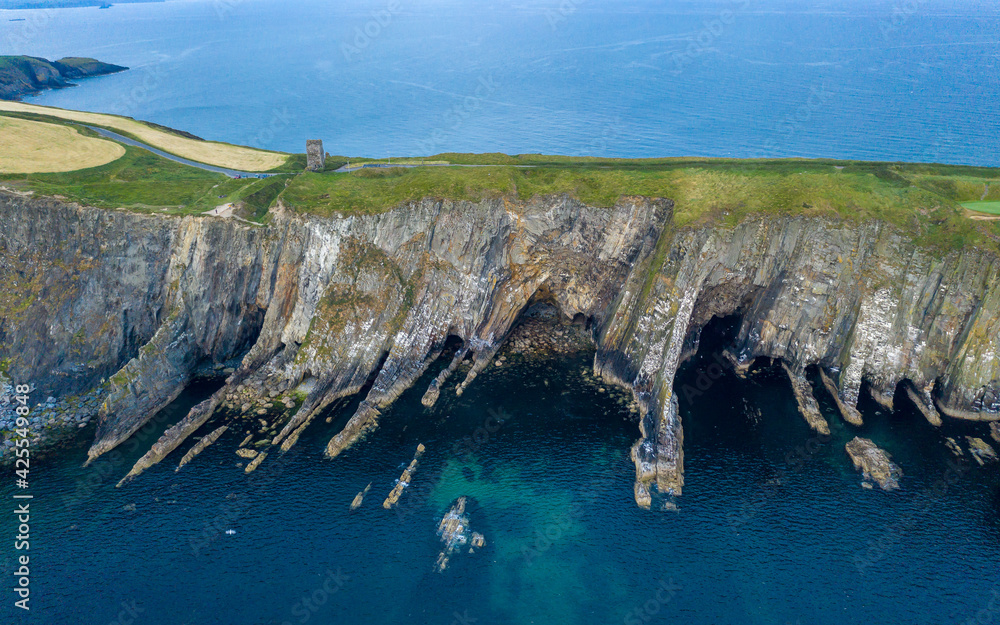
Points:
(858, 301)
(318, 309)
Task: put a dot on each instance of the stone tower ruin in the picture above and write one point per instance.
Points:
(315, 156)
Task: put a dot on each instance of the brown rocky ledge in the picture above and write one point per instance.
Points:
(404, 479)
(874, 463)
(981, 450)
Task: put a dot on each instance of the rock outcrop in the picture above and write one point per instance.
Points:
(848, 412)
(28, 75)
(981, 451)
(875, 464)
(455, 534)
(321, 308)
(360, 498)
(404, 480)
(201, 446)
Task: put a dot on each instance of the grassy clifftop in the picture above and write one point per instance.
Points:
(922, 199)
(928, 201)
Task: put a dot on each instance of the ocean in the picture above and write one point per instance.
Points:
(773, 527)
(896, 80)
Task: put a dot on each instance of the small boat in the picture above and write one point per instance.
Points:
(230, 532)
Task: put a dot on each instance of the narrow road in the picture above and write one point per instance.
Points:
(232, 173)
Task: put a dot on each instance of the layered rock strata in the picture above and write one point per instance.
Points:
(321, 308)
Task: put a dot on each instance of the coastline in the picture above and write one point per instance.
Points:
(22, 76)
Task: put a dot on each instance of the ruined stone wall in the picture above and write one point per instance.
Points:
(315, 156)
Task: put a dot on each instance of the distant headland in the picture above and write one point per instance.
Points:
(64, 4)
(28, 75)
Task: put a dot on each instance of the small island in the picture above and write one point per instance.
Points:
(27, 75)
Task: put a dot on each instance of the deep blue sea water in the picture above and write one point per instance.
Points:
(913, 80)
(773, 527)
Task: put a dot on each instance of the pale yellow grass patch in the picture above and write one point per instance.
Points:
(209, 152)
(28, 147)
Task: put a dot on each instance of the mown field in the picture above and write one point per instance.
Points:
(143, 182)
(208, 152)
(32, 147)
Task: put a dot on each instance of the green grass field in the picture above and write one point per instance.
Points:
(991, 208)
(922, 199)
(143, 182)
(139, 180)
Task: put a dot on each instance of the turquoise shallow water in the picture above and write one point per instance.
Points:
(913, 80)
(773, 526)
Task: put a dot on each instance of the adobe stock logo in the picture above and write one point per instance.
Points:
(901, 14)
(372, 29)
(706, 378)
(703, 42)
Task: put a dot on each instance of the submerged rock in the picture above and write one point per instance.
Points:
(981, 450)
(455, 534)
(874, 463)
(954, 447)
(478, 540)
(404, 480)
(360, 497)
(995, 431)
